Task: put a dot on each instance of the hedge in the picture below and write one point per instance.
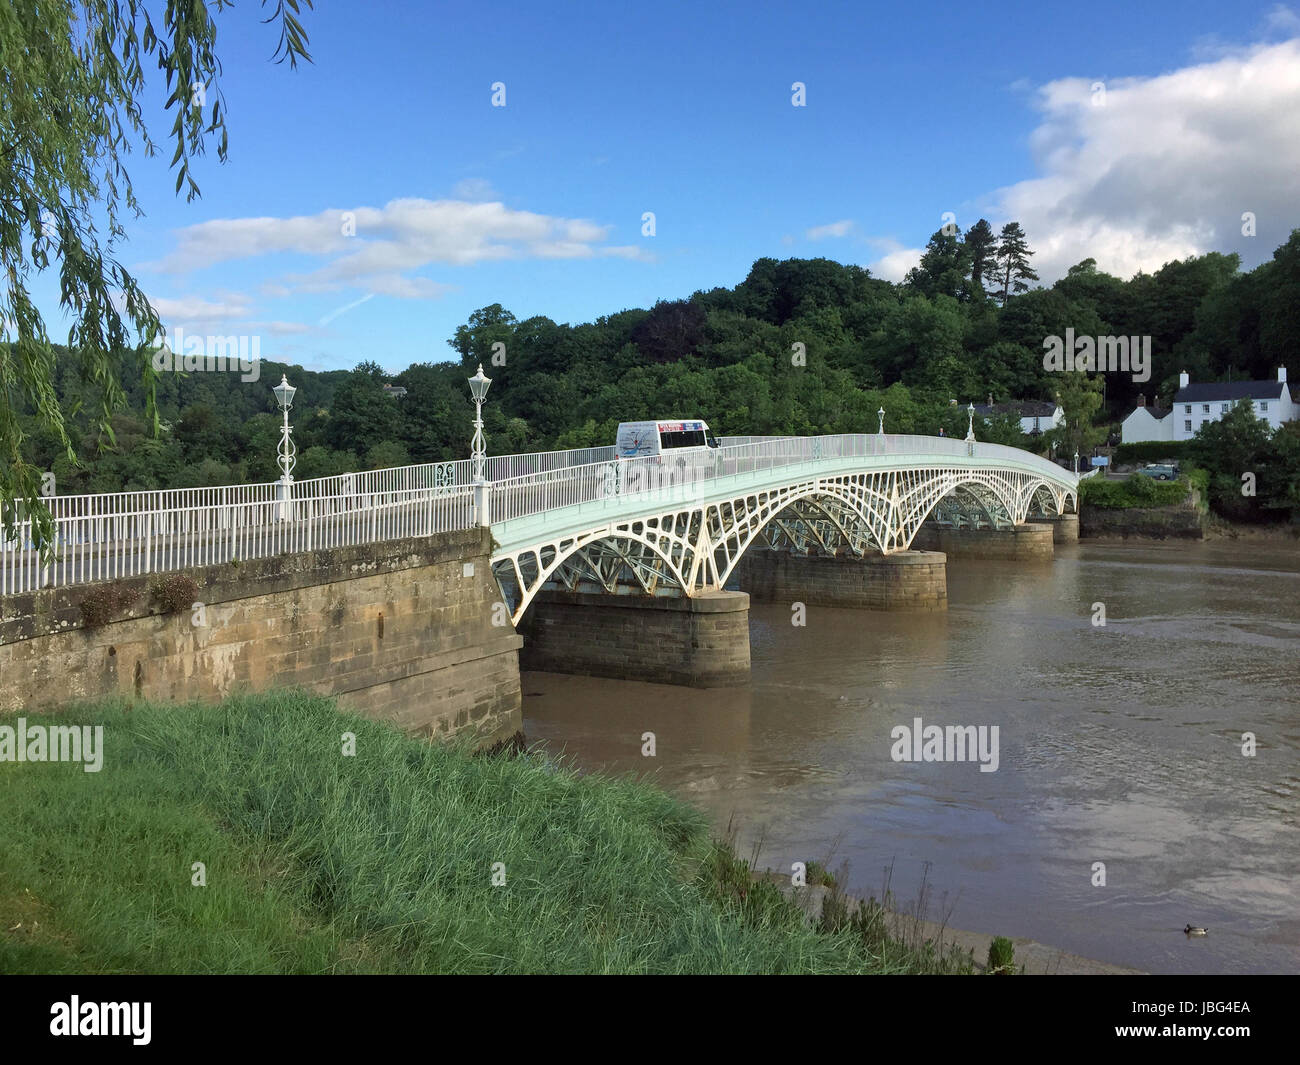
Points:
(1152, 451)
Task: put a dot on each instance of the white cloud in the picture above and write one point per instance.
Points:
(345, 308)
(896, 260)
(1166, 166)
(834, 229)
(282, 328)
(194, 308)
(387, 244)
(474, 189)
(1281, 19)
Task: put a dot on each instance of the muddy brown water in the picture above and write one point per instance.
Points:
(1119, 744)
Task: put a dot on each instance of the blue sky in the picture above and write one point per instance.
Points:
(684, 109)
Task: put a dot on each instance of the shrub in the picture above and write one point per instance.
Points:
(175, 592)
(1137, 491)
(1002, 957)
(1152, 451)
(103, 602)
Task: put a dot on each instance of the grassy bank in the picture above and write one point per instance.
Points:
(379, 862)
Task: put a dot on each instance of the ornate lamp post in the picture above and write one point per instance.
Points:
(881, 412)
(284, 393)
(970, 423)
(1076, 460)
(478, 386)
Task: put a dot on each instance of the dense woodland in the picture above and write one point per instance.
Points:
(800, 346)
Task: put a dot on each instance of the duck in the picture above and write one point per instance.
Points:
(1192, 930)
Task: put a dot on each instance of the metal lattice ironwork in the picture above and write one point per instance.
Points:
(695, 546)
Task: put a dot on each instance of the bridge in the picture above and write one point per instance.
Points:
(675, 525)
(659, 526)
(559, 535)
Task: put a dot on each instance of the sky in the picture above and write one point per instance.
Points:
(374, 199)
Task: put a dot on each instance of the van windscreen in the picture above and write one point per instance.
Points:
(684, 438)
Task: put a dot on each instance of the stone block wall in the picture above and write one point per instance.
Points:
(1065, 527)
(700, 642)
(908, 580)
(1021, 543)
(402, 631)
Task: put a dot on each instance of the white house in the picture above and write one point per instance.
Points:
(1036, 416)
(1197, 404)
(1147, 423)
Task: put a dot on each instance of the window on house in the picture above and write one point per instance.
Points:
(1187, 426)
(1187, 409)
(1263, 407)
(1223, 408)
(1205, 408)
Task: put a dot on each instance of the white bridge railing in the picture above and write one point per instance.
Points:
(111, 536)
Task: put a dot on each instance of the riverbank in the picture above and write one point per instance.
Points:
(274, 834)
(1142, 523)
(1029, 957)
(1138, 507)
(1175, 523)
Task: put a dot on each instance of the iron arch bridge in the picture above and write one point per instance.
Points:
(579, 519)
(664, 526)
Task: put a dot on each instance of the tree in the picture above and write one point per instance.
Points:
(671, 331)
(1080, 398)
(1012, 259)
(943, 269)
(1236, 444)
(71, 109)
(362, 414)
(981, 250)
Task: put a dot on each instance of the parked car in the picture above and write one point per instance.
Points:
(1160, 473)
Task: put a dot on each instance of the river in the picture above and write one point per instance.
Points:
(1118, 743)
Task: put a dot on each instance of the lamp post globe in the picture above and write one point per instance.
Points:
(284, 393)
(970, 424)
(881, 412)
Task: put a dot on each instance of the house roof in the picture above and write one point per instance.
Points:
(1021, 408)
(1229, 390)
(1155, 413)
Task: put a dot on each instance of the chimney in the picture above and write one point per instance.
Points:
(1142, 399)
(1183, 379)
(1281, 375)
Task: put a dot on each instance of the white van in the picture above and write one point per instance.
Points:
(639, 440)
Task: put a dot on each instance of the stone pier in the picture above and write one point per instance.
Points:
(1020, 543)
(908, 580)
(1065, 527)
(698, 642)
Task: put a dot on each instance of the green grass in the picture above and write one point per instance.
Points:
(381, 862)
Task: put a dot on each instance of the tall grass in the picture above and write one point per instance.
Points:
(319, 862)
